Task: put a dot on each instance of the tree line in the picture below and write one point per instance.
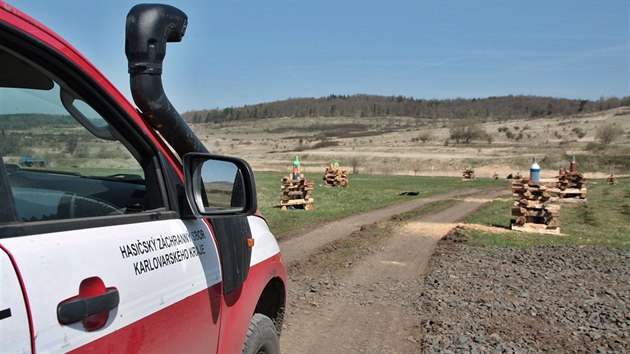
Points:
(20, 121)
(362, 105)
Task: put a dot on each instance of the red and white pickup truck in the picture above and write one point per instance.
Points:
(134, 238)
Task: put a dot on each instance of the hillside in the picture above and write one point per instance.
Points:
(387, 144)
(422, 146)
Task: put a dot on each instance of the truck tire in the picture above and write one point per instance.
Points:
(262, 337)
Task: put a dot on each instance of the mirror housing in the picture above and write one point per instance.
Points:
(219, 186)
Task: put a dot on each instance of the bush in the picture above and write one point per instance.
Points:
(11, 145)
(579, 132)
(607, 133)
(325, 143)
(423, 137)
(593, 146)
(466, 131)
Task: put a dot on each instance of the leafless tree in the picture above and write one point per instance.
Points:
(607, 133)
(466, 130)
(354, 162)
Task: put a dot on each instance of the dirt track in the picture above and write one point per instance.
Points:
(396, 286)
(362, 305)
(296, 248)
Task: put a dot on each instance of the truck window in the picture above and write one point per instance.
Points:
(63, 160)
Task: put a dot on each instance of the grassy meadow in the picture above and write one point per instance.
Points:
(601, 221)
(364, 192)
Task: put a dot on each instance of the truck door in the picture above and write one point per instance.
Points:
(14, 324)
(94, 254)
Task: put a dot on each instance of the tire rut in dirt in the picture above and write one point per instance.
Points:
(368, 304)
(360, 293)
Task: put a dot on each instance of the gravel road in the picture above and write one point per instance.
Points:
(396, 287)
(503, 300)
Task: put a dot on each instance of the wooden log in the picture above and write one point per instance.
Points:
(553, 223)
(573, 191)
(536, 228)
(538, 213)
(531, 204)
(519, 211)
(297, 202)
(537, 220)
(554, 208)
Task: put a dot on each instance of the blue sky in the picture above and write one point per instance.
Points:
(246, 52)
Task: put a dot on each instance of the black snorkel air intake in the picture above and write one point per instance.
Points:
(149, 27)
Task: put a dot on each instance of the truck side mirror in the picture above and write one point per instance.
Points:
(218, 185)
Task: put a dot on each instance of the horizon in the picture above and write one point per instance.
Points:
(238, 53)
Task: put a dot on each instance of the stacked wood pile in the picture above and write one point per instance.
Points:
(335, 177)
(296, 193)
(468, 174)
(532, 209)
(515, 176)
(570, 185)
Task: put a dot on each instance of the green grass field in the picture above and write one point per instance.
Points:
(364, 192)
(602, 221)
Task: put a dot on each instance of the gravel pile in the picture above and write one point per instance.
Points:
(545, 299)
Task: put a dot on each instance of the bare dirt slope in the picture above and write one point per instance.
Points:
(410, 146)
(363, 305)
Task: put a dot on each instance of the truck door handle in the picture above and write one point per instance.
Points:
(76, 309)
(91, 306)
